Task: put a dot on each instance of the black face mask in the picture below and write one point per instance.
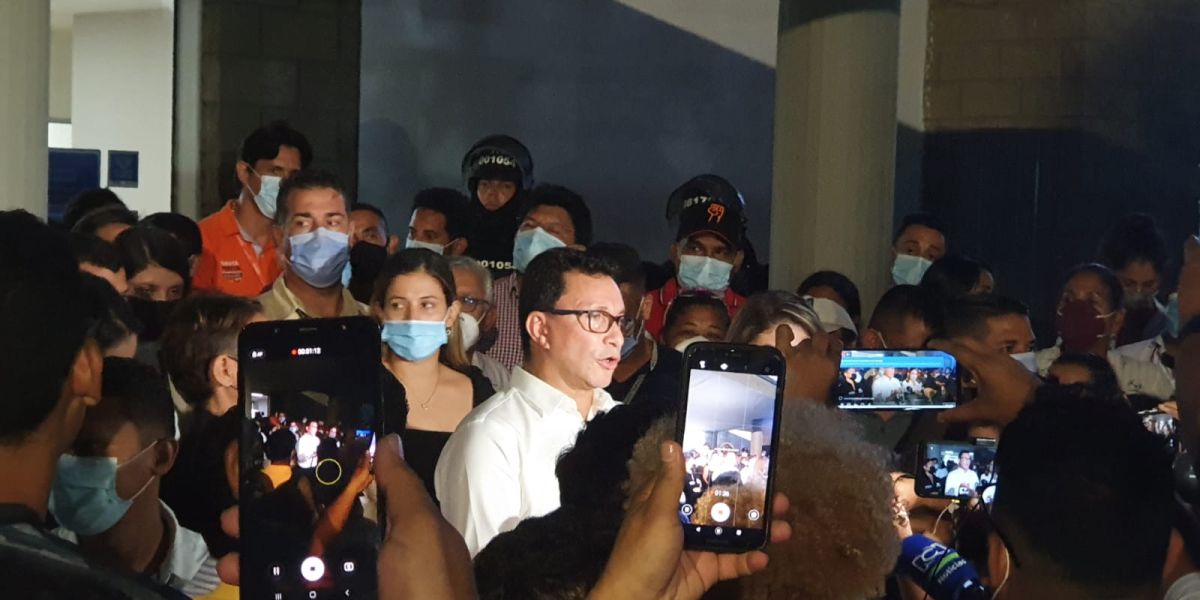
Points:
(366, 263)
(153, 316)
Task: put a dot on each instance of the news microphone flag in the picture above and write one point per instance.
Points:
(939, 570)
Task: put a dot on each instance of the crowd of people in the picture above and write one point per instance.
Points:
(531, 370)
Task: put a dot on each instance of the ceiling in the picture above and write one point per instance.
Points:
(723, 401)
(62, 12)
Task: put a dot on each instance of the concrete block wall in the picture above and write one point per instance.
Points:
(278, 59)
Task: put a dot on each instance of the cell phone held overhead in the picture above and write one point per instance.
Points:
(310, 392)
(727, 428)
(897, 380)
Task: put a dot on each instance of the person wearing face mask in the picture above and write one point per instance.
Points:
(498, 172)
(694, 318)
(1136, 251)
(706, 252)
(440, 222)
(157, 268)
(314, 236)
(105, 495)
(239, 254)
(649, 372)
(370, 245)
(416, 300)
(920, 241)
(999, 322)
(1090, 316)
(475, 292)
(553, 217)
(44, 406)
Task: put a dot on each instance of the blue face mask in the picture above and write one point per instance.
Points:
(320, 256)
(414, 340)
(529, 244)
(268, 194)
(909, 269)
(84, 496)
(703, 273)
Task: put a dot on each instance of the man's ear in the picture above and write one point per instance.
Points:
(165, 452)
(223, 371)
(738, 259)
(393, 244)
(647, 307)
(870, 340)
(997, 562)
(87, 374)
(457, 247)
(231, 467)
(674, 252)
(538, 328)
(243, 174)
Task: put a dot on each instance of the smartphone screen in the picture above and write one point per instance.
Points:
(1163, 425)
(728, 429)
(961, 470)
(311, 390)
(897, 380)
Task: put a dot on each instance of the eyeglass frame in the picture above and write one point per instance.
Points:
(612, 319)
(474, 303)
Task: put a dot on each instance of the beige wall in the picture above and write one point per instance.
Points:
(60, 75)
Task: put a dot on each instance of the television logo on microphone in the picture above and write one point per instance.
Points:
(930, 558)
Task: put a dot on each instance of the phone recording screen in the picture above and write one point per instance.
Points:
(1163, 425)
(957, 470)
(897, 380)
(727, 440)
(309, 526)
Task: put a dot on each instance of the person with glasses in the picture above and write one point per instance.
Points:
(478, 319)
(499, 465)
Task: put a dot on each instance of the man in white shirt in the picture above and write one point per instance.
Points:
(886, 387)
(306, 447)
(498, 467)
(963, 480)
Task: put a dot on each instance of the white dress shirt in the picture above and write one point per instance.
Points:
(1186, 588)
(885, 388)
(306, 451)
(498, 466)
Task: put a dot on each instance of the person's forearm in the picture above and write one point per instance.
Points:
(333, 521)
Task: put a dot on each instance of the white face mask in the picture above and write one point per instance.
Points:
(909, 270)
(681, 346)
(411, 243)
(1027, 360)
(268, 194)
(470, 330)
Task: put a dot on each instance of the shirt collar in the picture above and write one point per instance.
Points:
(281, 300)
(546, 399)
(187, 553)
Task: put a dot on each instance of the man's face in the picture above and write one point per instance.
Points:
(428, 226)
(284, 165)
(922, 241)
(582, 358)
(889, 372)
(709, 246)
(105, 433)
(115, 278)
(1010, 333)
(697, 321)
(312, 428)
(964, 461)
(469, 290)
(1139, 278)
(368, 227)
(850, 373)
(554, 220)
(493, 194)
(309, 210)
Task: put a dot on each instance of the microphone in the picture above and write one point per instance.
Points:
(939, 570)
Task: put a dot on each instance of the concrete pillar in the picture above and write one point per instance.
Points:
(835, 142)
(24, 103)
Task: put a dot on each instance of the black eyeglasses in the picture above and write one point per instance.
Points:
(473, 304)
(595, 321)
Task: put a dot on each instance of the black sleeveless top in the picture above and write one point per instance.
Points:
(423, 448)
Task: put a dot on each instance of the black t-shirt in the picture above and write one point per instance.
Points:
(491, 240)
(661, 385)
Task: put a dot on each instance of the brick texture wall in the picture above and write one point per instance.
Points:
(1122, 69)
(278, 59)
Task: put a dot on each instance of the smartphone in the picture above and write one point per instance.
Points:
(957, 470)
(906, 380)
(733, 395)
(1163, 425)
(307, 530)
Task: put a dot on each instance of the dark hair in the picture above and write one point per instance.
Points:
(904, 302)
(181, 228)
(371, 208)
(137, 394)
(1116, 293)
(87, 202)
(1109, 521)
(838, 283)
(93, 250)
(95, 220)
(968, 316)
(43, 324)
(114, 320)
(280, 445)
(686, 302)
(1135, 237)
(922, 219)
(199, 329)
(573, 203)
(143, 246)
(263, 143)
(629, 267)
(545, 282)
(452, 204)
(1102, 377)
(953, 277)
(308, 179)
(420, 260)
